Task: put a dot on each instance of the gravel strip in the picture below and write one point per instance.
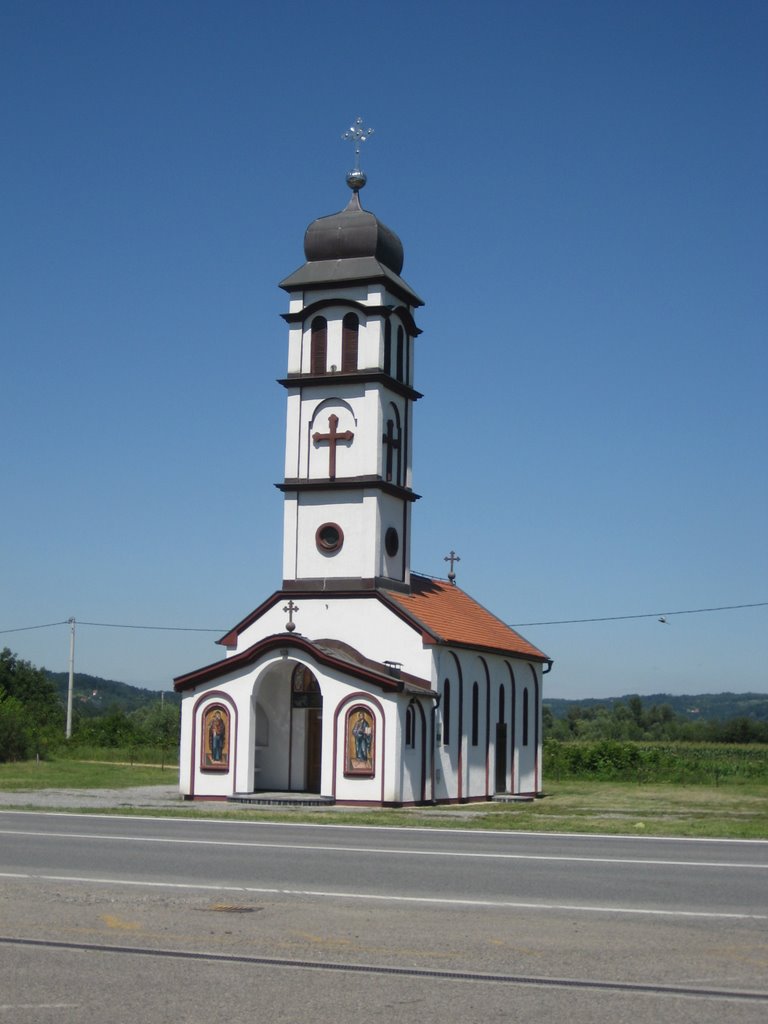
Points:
(60, 799)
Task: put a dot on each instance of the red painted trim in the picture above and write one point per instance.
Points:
(536, 781)
(433, 747)
(221, 769)
(368, 312)
(427, 635)
(230, 639)
(487, 723)
(423, 786)
(298, 381)
(279, 641)
(460, 730)
(290, 739)
(406, 318)
(359, 773)
(512, 726)
(213, 697)
(360, 697)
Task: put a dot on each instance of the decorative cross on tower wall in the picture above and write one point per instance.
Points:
(333, 437)
(393, 445)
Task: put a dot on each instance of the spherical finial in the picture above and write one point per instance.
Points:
(357, 135)
(356, 179)
(290, 608)
(452, 558)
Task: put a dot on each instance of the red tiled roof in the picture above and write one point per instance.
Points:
(451, 616)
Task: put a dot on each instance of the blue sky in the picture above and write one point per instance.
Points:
(581, 192)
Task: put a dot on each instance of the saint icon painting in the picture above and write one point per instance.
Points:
(361, 734)
(215, 738)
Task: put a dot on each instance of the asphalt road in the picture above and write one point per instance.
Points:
(105, 918)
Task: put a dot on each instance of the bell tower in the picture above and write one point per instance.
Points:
(348, 449)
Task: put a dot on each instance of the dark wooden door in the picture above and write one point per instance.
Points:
(314, 749)
(501, 757)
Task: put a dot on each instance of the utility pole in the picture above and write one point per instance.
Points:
(71, 686)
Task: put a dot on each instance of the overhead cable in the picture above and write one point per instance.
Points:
(512, 625)
(644, 615)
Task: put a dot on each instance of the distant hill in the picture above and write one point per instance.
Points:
(702, 707)
(92, 695)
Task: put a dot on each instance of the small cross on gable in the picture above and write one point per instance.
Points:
(290, 608)
(452, 558)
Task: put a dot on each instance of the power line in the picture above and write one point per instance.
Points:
(176, 629)
(516, 625)
(45, 625)
(116, 625)
(645, 615)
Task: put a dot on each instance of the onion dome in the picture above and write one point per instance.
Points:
(351, 234)
(350, 248)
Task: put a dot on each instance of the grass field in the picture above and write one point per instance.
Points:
(19, 776)
(733, 811)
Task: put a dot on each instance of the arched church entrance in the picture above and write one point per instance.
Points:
(306, 729)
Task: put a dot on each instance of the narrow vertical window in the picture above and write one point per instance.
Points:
(392, 441)
(388, 347)
(446, 713)
(318, 351)
(398, 448)
(501, 704)
(475, 713)
(399, 354)
(410, 726)
(525, 717)
(350, 328)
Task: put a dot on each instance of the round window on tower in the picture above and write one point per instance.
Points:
(329, 538)
(391, 542)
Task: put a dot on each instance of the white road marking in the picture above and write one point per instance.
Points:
(224, 823)
(37, 1006)
(438, 901)
(324, 848)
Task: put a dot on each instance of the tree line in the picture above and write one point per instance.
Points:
(33, 718)
(635, 721)
(32, 721)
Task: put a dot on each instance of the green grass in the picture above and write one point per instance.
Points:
(21, 776)
(733, 812)
(585, 807)
(738, 810)
(121, 755)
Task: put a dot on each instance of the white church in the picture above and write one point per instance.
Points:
(359, 681)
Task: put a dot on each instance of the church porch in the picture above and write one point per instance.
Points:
(282, 799)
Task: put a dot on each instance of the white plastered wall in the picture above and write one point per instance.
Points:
(364, 623)
(467, 771)
(528, 775)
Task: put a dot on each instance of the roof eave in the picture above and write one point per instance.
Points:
(328, 273)
(279, 641)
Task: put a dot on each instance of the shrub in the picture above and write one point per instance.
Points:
(684, 762)
(15, 730)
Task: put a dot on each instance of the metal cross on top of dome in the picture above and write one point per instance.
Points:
(357, 134)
